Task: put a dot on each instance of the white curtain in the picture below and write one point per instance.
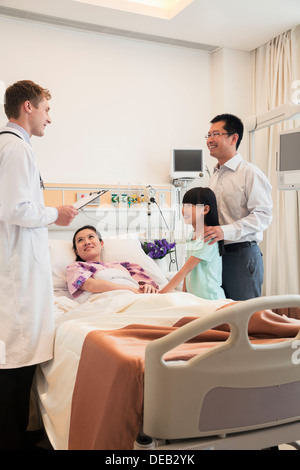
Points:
(276, 68)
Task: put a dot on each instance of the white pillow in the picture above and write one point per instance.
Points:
(126, 249)
(61, 255)
(115, 250)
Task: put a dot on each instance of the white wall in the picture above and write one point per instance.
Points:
(118, 106)
(231, 75)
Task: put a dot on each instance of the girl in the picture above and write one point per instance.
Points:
(89, 274)
(202, 272)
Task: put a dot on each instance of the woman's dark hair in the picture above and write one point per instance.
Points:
(85, 227)
(207, 197)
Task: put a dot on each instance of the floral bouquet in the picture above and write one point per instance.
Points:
(158, 249)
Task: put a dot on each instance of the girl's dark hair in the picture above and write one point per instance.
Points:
(207, 197)
(85, 227)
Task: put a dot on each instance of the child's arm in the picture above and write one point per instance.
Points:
(188, 266)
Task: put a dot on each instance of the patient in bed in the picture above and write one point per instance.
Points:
(90, 274)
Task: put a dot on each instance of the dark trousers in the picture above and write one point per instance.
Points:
(243, 273)
(15, 386)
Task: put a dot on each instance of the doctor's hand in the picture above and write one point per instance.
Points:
(65, 215)
(213, 234)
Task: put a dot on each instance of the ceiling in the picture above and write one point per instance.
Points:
(155, 8)
(203, 24)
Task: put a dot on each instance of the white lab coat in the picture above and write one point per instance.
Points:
(26, 301)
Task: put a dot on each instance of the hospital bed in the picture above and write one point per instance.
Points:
(248, 392)
(185, 372)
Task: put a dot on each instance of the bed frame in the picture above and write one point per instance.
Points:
(249, 394)
(234, 395)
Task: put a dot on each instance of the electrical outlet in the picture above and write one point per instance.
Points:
(95, 202)
(81, 195)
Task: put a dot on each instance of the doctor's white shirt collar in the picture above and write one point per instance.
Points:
(20, 129)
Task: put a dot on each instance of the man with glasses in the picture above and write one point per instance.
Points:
(245, 209)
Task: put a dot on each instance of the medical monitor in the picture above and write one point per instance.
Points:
(288, 162)
(187, 163)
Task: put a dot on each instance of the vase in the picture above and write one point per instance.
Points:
(162, 263)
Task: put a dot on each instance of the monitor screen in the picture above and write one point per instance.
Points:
(289, 152)
(289, 159)
(187, 160)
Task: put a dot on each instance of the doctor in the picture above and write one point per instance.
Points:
(26, 307)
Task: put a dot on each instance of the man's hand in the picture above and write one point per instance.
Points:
(65, 215)
(213, 234)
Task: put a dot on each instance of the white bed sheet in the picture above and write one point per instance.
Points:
(55, 379)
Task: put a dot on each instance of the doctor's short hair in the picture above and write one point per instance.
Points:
(85, 227)
(19, 92)
(233, 125)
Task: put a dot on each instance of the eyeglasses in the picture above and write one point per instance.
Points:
(216, 134)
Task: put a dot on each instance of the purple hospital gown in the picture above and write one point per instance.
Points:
(79, 271)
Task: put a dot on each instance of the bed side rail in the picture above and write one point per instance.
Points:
(179, 397)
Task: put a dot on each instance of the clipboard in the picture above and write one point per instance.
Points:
(88, 199)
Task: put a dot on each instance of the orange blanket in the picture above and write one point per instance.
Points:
(107, 404)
